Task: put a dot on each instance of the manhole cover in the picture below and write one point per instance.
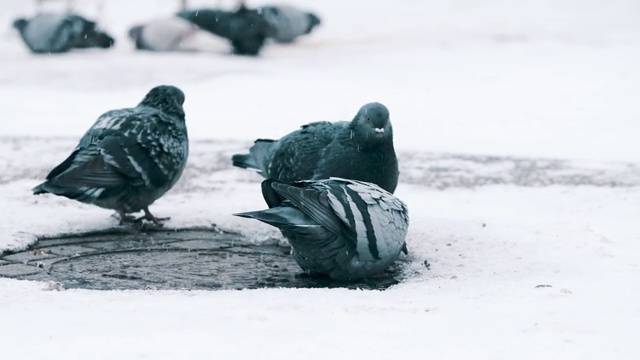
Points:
(167, 259)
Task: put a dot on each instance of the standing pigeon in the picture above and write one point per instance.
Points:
(129, 158)
(360, 150)
(346, 229)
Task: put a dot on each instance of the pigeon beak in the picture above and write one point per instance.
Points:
(379, 131)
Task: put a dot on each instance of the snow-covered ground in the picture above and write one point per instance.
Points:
(545, 78)
(551, 79)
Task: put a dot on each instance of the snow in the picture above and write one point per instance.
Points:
(478, 300)
(551, 79)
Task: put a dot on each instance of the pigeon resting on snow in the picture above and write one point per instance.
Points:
(174, 34)
(57, 33)
(346, 229)
(129, 158)
(245, 29)
(286, 23)
(361, 150)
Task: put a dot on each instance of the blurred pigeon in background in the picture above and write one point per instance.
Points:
(245, 29)
(48, 33)
(346, 229)
(128, 159)
(286, 23)
(174, 34)
(361, 150)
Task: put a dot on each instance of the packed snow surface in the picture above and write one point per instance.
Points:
(484, 97)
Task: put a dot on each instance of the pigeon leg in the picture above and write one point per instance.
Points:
(124, 218)
(149, 216)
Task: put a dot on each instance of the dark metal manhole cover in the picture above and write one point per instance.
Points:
(204, 259)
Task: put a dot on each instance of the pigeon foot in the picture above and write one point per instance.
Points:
(124, 218)
(149, 216)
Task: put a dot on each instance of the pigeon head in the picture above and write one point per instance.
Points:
(371, 125)
(20, 24)
(87, 33)
(314, 21)
(103, 40)
(167, 98)
(135, 34)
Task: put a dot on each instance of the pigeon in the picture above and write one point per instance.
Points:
(360, 150)
(49, 33)
(342, 228)
(286, 23)
(245, 28)
(174, 34)
(129, 157)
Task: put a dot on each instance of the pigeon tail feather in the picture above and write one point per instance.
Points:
(40, 189)
(259, 157)
(264, 216)
(280, 217)
(82, 194)
(244, 161)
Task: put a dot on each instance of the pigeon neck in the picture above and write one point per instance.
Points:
(166, 105)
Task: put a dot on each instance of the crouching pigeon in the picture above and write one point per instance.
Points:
(346, 229)
(286, 23)
(361, 150)
(48, 33)
(174, 34)
(128, 159)
(244, 28)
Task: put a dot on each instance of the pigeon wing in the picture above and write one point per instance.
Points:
(389, 215)
(131, 149)
(103, 164)
(314, 202)
(299, 153)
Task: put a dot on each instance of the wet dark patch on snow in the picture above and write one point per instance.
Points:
(442, 171)
(191, 259)
(208, 159)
